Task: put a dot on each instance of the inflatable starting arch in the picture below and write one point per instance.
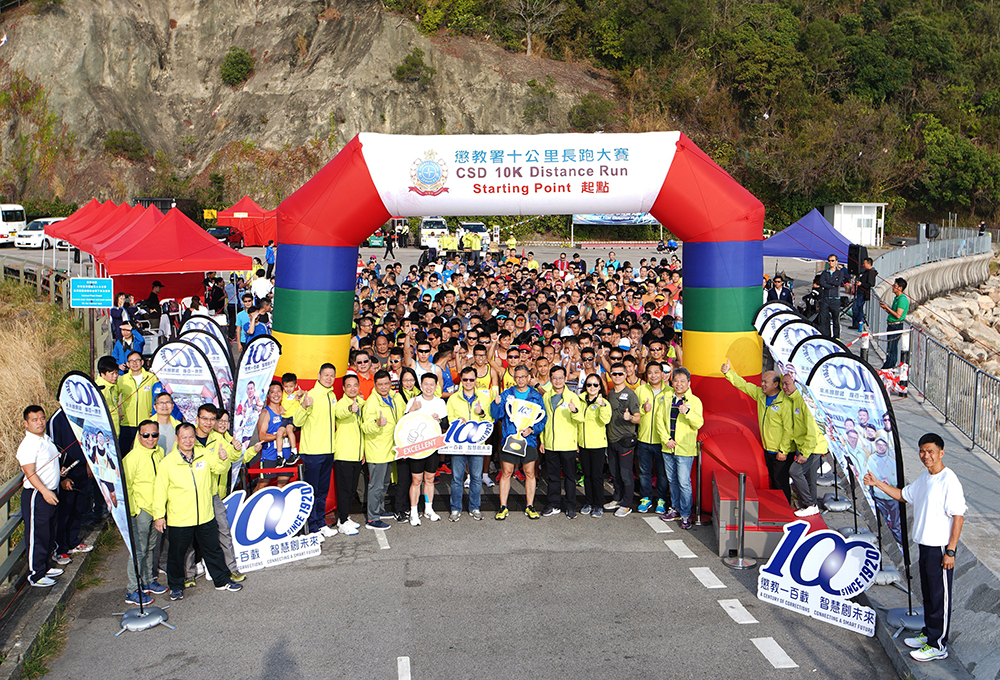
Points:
(376, 176)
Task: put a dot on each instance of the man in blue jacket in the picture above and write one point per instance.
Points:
(130, 341)
(530, 434)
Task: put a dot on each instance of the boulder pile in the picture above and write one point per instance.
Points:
(967, 321)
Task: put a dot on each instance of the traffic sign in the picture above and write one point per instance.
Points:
(96, 293)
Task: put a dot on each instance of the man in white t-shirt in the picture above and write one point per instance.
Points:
(938, 515)
(39, 459)
(422, 471)
(261, 287)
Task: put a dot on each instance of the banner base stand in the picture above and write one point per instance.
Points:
(862, 534)
(887, 576)
(137, 620)
(825, 479)
(833, 504)
(904, 618)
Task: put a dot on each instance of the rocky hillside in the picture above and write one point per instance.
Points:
(323, 72)
(968, 322)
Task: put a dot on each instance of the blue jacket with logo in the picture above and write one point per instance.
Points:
(499, 413)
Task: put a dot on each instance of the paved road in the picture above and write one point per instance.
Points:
(551, 598)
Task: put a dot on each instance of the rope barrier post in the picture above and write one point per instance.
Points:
(741, 562)
(697, 488)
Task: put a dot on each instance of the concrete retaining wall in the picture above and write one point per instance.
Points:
(930, 280)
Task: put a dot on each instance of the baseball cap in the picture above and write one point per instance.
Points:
(524, 348)
(625, 344)
(157, 283)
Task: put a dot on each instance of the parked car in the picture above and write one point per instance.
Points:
(11, 222)
(235, 238)
(432, 227)
(34, 236)
(220, 233)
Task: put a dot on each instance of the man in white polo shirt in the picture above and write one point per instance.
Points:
(39, 459)
(938, 514)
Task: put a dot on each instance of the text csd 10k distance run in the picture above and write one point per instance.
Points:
(540, 187)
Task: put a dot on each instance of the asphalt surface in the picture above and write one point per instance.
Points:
(551, 598)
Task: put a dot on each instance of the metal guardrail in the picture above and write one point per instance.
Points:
(11, 551)
(967, 396)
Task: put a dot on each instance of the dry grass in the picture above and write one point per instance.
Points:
(39, 343)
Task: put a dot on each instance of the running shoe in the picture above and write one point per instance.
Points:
(916, 642)
(571, 514)
(62, 558)
(176, 595)
(586, 510)
(685, 523)
(928, 653)
(645, 504)
(54, 571)
(661, 507)
(623, 512)
(347, 529)
(807, 512)
(231, 587)
(466, 483)
(237, 577)
(414, 518)
(293, 461)
(519, 475)
(612, 505)
(550, 511)
(443, 470)
(43, 582)
(155, 588)
(328, 531)
(189, 583)
(476, 515)
(387, 515)
(531, 512)
(598, 511)
(351, 523)
(135, 597)
(670, 516)
(501, 513)
(81, 548)
(487, 481)
(431, 515)
(377, 525)
(402, 516)
(454, 516)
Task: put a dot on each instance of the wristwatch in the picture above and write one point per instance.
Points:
(949, 552)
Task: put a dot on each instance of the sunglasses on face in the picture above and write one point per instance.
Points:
(149, 435)
(617, 374)
(592, 385)
(423, 351)
(468, 380)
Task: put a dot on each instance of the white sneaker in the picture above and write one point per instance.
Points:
(54, 571)
(612, 505)
(466, 483)
(351, 523)
(487, 481)
(623, 511)
(347, 529)
(431, 515)
(43, 582)
(807, 512)
(414, 518)
(201, 570)
(328, 531)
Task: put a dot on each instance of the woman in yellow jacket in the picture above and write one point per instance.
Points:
(349, 443)
(592, 438)
(381, 412)
(182, 496)
(565, 414)
(678, 425)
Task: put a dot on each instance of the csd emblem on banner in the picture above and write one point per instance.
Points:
(263, 526)
(814, 574)
(429, 175)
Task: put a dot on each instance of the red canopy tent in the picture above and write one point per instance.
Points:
(81, 219)
(127, 234)
(257, 225)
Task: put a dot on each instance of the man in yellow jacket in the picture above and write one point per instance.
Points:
(565, 415)
(468, 405)
(680, 419)
(182, 506)
(107, 383)
(136, 389)
(315, 418)
(774, 417)
(139, 467)
(809, 442)
(349, 443)
(648, 451)
(381, 412)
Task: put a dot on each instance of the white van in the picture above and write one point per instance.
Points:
(34, 236)
(432, 227)
(11, 221)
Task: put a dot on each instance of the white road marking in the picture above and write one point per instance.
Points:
(658, 525)
(737, 612)
(680, 549)
(402, 662)
(707, 578)
(383, 543)
(773, 652)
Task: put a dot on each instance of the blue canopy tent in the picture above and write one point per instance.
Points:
(810, 238)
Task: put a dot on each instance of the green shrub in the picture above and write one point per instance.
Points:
(414, 70)
(237, 66)
(536, 108)
(594, 112)
(125, 144)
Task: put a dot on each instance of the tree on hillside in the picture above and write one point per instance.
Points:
(536, 15)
